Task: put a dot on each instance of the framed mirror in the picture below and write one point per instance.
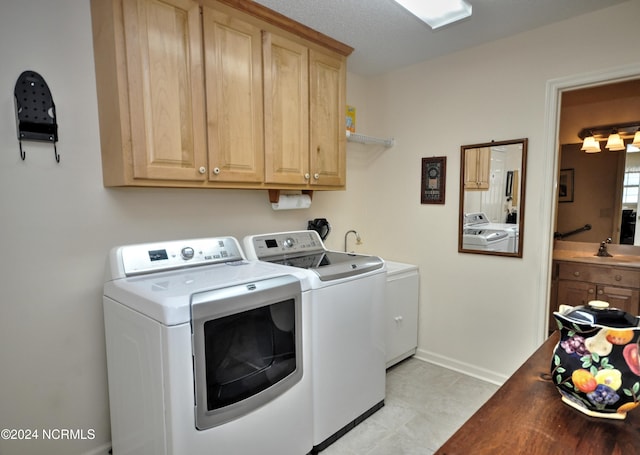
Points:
(492, 193)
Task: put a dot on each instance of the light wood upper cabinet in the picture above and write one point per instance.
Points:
(286, 108)
(477, 168)
(233, 56)
(304, 114)
(327, 157)
(217, 94)
(154, 126)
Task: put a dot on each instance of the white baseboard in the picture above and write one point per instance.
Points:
(460, 367)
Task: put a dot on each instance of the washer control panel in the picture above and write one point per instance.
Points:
(157, 257)
(283, 243)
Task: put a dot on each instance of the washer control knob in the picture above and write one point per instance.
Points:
(288, 242)
(187, 253)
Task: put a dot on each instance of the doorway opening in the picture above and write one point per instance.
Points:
(555, 90)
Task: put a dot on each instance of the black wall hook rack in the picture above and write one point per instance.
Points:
(35, 111)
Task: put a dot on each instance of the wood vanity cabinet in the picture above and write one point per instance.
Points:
(577, 283)
(477, 168)
(217, 94)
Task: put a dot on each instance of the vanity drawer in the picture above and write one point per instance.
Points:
(599, 274)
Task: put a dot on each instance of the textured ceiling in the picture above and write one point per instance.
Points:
(386, 37)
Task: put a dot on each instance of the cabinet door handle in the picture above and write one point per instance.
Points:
(316, 176)
(576, 273)
(216, 170)
(591, 291)
(398, 319)
(600, 292)
(202, 170)
(618, 277)
(307, 176)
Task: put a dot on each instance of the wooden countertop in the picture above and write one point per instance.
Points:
(527, 416)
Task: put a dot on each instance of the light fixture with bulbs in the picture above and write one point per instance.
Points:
(613, 134)
(437, 13)
(615, 142)
(590, 145)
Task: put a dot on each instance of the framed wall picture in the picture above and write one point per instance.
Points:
(565, 185)
(434, 171)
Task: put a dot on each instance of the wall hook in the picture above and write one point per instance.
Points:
(35, 111)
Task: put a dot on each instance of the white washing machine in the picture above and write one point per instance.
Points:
(207, 353)
(347, 322)
(480, 221)
(485, 239)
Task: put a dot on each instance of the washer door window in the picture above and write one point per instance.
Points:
(247, 347)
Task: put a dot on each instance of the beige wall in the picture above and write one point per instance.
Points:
(477, 313)
(594, 195)
(480, 314)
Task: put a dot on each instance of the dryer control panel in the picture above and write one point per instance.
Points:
(145, 258)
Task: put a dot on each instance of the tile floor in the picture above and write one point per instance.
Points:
(424, 406)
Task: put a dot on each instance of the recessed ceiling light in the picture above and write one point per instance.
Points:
(437, 13)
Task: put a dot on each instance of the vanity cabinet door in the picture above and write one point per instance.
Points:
(622, 298)
(575, 293)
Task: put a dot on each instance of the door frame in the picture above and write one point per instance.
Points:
(550, 156)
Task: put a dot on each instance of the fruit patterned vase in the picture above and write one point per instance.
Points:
(595, 365)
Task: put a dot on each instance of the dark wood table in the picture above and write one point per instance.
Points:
(527, 416)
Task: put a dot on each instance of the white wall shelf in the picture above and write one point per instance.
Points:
(362, 139)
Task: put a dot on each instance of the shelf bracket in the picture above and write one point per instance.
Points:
(362, 139)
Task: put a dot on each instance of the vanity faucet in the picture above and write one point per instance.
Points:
(602, 251)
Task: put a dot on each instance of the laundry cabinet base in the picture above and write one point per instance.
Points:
(401, 306)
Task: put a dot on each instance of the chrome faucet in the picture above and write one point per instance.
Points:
(602, 251)
(358, 239)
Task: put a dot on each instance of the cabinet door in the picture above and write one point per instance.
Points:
(286, 110)
(233, 59)
(401, 302)
(575, 293)
(622, 298)
(477, 168)
(163, 42)
(327, 160)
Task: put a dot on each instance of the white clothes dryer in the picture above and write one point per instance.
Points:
(347, 327)
(207, 353)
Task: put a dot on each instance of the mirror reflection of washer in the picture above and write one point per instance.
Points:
(347, 324)
(206, 352)
(479, 233)
(485, 240)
